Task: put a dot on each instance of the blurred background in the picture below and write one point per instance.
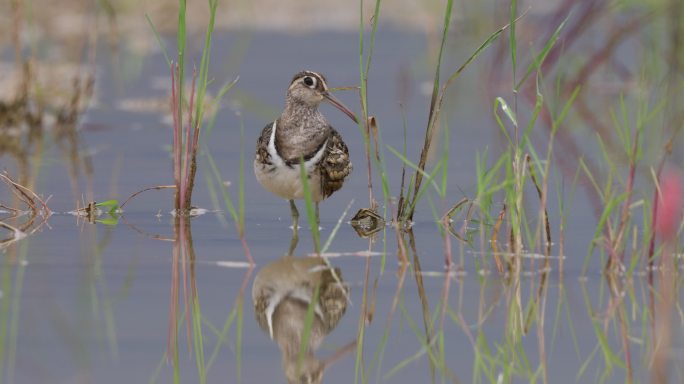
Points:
(589, 90)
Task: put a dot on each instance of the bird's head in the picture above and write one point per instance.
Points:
(310, 88)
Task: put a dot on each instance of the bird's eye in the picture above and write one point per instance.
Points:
(310, 81)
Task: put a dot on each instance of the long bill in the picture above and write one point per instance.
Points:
(338, 104)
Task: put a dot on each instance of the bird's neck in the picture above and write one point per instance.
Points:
(298, 112)
(301, 130)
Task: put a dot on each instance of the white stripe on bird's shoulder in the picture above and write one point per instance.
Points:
(285, 180)
(275, 157)
(279, 162)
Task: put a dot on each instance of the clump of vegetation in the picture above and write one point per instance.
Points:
(524, 169)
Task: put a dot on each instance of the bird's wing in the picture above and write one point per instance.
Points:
(333, 298)
(262, 155)
(335, 166)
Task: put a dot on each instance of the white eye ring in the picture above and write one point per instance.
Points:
(309, 81)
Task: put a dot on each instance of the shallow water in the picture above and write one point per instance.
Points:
(91, 303)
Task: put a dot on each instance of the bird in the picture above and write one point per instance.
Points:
(302, 133)
(282, 293)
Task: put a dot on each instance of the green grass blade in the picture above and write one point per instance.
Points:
(539, 58)
(512, 37)
(228, 201)
(198, 338)
(310, 211)
(489, 41)
(330, 239)
(204, 64)
(239, 329)
(162, 46)
(241, 180)
(308, 325)
(415, 167)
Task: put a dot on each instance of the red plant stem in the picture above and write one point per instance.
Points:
(651, 299)
(541, 312)
(654, 216)
(446, 287)
(617, 36)
(368, 164)
(448, 261)
(176, 134)
(662, 337)
(624, 333)
(184, 255)
(184, 182)
(401, 272)
(193, 159)
(588, 14)
(248, 254)
(173, 304)
(245, 283)
(364, 317)
(628, 197)
(401, 251)
(612, 255)
(186, 158)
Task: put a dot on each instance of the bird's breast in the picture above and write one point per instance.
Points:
(285, 181)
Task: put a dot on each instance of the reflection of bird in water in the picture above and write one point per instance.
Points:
(282, 293)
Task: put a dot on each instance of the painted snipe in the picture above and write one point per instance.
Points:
(282, 293)
(302, 133)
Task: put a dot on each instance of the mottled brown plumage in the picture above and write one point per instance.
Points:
(282, 293)
(333, 168)
(293, 279)
(336, 165)
(302, 132)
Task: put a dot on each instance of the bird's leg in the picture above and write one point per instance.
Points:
(295, 214)
(318, 217)
(293, 242)
(295, 228)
